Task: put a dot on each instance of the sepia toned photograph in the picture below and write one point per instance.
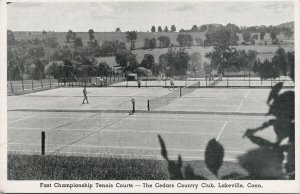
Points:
(157, 91)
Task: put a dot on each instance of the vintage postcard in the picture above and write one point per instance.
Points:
(149, 96)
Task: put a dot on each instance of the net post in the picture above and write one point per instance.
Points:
(180, 91)
(198, 83)
(32, 84)
(50, 83)
(227, 81)
(42, 83)
(205, 80)
(148, 105)
(249, 79)
(185, 81)
(43, 143)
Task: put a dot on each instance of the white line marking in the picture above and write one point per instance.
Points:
(110, 155)
(19, 120)
(119, 147)
(115, 130)
(246, 96)
(177, 132)
(240, 106)
(222, 130)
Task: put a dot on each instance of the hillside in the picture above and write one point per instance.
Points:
(287, 25)
(103, 36)
(121, 36)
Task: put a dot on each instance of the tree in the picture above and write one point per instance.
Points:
(262, 35)
(273, 36)
(141, 71)
(153, 29)
(203, 28)
(146, 43)
(91, 34)
(55, 69)
(39, 70)
(131, 36)
(36, 52)
(221, 36)
(266, 70)
(174, 62)
(152, 44)
(280, 60)
(16, 61)
(37, 41)
(159, 29)
(255, 36)
(194, 28)
(195, 60)
(103, 69)
(219, 58)
(246, 36)
(118, 30)
(166, 29)
(291, 64)
(126, 61)
(51, 42)
(233, 27)
(148, 62)
(163, 63)
(164, 41)
(44, 32)
(109, 48)
(78, 42)
(185, 40)
(252, 40)
(182, 59)
(70, 36)
(199, 41)
(173, 28)
(288, 32)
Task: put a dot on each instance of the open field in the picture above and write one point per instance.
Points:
(264, 52)
(121, 36)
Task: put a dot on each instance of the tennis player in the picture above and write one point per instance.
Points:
(139, 82)
(172, 82)
(85, 95)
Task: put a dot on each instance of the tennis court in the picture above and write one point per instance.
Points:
(104, 127)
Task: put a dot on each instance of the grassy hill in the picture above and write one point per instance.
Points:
(103, 36)
(264, 52)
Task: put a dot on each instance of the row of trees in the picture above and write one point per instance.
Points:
(159, 29)
(287, 31)
(184, 40)
(282, 63)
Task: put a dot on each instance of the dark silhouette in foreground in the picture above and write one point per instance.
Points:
(271, 161)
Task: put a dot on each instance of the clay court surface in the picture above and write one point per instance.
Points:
(104, 127)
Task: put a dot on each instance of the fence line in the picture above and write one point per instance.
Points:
(20, 86)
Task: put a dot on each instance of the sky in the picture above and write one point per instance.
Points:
(106, 16)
